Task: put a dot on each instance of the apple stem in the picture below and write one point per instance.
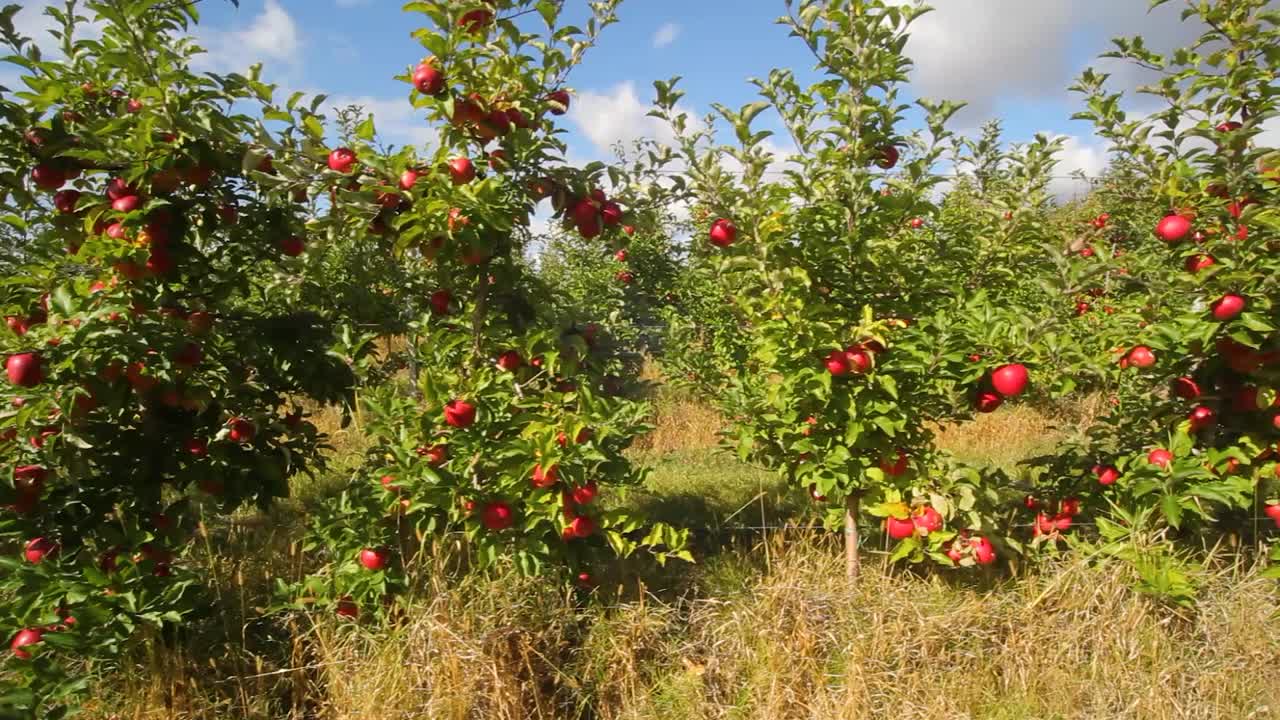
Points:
(852, 564)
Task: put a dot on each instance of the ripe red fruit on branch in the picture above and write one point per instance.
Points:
(24, 369)
(888, 157)
(435, 455)
(1160, 457)
(984, 553)
(48, 177)
(459, 413)
(510, 361)
(293, 246)
(928, 520)
(916, 223)
(126, 204)
(196, 447)
(1141, 356)
(440, 301)
(461, 171)
(1173, 228)
(545, 478)
(408, 178)
(559, 102)
(900, 529)
(1010, 380)
(242, 431)
(859, 359)
(611, 213)
(65, 201)
(581, 526)
(1273, 511)
(1106, 474)
(585, 494)
(723, 233)
(1202, 417)
(838, 363)
(1196, 263)
(988, 401)
(1228, 126)
(1186, 388)
(475, 21)
(897, 467)
(347, 608)
(1227, 307)
(25, 639)
(375, 558)
(497, 516)
(37, 549)
(342, 160)
(29, 478)
(427, 79)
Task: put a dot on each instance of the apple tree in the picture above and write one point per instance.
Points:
(507, 432)
(153, 379)
(1186, 453)
(856, 325)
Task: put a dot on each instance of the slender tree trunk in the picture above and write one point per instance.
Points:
(852, 563)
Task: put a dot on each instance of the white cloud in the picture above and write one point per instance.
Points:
(981, 51)
(616, 116)
(1077, 155)
(666, 35)
(272, 37)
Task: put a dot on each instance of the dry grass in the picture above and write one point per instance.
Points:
(796, 642)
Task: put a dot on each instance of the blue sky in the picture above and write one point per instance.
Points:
(1007, 58)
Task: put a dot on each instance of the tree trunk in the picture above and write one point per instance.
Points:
(852, 564)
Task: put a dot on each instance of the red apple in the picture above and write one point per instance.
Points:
(497, 516)
(24, 369)
(375, 558)
(197, 447)
(427, 79)
(1227, 307)
(581, 526)
(1141, 356)
(293, 246)
(723, 233)
(461, 171)
(29, 478)
(342, 160)
(916, 223)
(37, 549)
(1160, 457)
(988, 401)
(928, 520)
(888, 157)
(837, 363)
(459, 413)
(1202, 417)
(475, 21)
(859, 360)
(626, 277)
(1173, 228)
(25, 639)
(983, 551)
(440, 301)
(585, 494)
(119, 187)
(1186, 388)
(559, 102)
(347, 608)
(242, 431)
(900, 529)
(621, 255)
(1273, 511)
(66, 200)
(1228, 126)
(1106, 474)
(629, 229)
(409, 178)
(1195, 263)
(1009, 380)
(896, 467)
(544, 479)
(510, 361)
(48, 177)
(199, 323)
(611, 213)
